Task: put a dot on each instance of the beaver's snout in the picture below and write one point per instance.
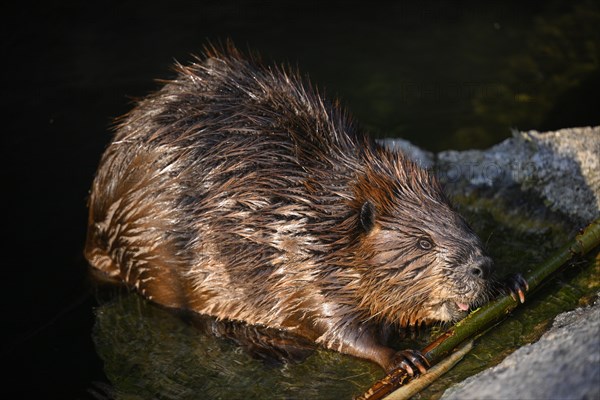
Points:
(481, 268)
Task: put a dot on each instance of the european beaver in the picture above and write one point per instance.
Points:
(237, 191)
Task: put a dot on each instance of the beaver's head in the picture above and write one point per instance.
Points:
(421, 261)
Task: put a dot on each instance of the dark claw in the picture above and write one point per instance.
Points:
(410, 361)
(516, 286)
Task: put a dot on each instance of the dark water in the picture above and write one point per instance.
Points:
(443, 74)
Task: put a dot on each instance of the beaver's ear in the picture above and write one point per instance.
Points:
(367, 216)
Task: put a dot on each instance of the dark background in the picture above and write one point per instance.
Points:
(69, 68)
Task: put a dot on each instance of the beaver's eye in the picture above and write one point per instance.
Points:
(425, 244)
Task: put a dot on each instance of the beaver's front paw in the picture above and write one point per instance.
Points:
(516, 286)
(411, 361)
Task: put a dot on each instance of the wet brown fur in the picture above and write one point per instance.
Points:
(237, 191)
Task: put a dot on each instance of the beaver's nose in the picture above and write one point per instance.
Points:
(481, 268)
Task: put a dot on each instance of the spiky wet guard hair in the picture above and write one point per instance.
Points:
(237, 191)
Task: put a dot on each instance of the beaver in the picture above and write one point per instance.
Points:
(239, 192)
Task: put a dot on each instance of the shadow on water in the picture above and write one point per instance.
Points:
(151, 353)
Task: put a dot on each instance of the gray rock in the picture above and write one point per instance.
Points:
(563, 364)
(562, 167)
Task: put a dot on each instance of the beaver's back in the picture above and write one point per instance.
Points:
(222, 193)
